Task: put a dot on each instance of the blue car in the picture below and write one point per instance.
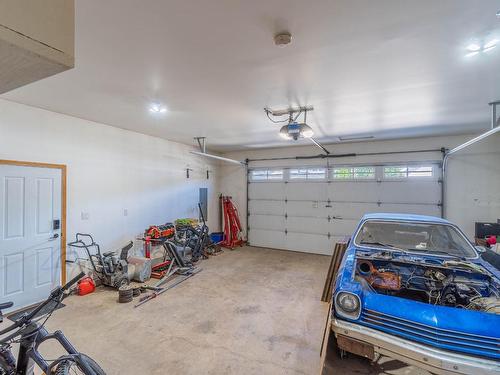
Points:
(414, 288)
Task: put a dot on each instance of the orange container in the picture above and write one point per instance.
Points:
(86, 286)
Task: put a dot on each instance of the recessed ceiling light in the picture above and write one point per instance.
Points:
(490, 45)
(473, 47)
(157, 108)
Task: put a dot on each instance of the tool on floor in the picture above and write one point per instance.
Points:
(176, 263)
(159, 291)
(140, 268)
(85, 286)
(111, 269)
(125, 294)
(233, 234)
(161, 269)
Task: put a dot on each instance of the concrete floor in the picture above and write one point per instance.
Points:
(250, 311)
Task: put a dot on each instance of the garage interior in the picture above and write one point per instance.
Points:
(202, 163)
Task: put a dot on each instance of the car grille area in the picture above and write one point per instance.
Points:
(441, 338)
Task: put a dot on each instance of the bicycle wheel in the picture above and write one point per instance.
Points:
(7, 365)
(71, 367)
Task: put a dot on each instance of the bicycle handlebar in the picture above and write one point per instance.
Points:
(80, 240)
(55, 293)
(73, 281)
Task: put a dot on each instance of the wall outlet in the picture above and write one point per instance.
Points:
(125, 212)
(85, 215)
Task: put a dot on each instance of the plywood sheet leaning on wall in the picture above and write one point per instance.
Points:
(336, 259)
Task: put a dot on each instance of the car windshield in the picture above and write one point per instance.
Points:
(431, 238)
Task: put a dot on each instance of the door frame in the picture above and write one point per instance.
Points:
(63, 169)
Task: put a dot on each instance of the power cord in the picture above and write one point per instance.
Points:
(288, 120)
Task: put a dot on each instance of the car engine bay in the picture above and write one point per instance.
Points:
(451, 282)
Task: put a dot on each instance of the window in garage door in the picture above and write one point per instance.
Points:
(310, 208)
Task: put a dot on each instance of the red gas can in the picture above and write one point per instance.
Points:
(86, 286)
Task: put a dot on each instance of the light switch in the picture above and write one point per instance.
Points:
(85, 215)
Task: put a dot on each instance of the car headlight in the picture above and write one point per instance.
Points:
(348, 305)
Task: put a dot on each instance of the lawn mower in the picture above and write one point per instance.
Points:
(111, 269)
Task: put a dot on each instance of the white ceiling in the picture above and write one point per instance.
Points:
(387, 68)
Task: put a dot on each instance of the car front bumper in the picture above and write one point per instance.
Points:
(431, 359)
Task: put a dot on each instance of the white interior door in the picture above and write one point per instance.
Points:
(30, 221)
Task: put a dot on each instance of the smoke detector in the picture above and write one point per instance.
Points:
(282, 39)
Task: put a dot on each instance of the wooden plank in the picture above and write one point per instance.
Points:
(335, 261)
(326, 339)
(329, 276)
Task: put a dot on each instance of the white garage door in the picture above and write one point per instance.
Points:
(310, 208)
(30, 251)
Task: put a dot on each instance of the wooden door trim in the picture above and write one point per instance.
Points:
(63, 169)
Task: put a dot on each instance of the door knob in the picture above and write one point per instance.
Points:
(54, 237)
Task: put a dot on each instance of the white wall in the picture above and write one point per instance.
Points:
(109, 170)
(473, 184)
(473, 190)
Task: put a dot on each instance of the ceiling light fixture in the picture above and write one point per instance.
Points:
(476, 48)
(490, 45)
(294, 131)
(157, 108)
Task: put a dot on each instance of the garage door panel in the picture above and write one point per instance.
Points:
(345, 191)
(275, 190)
(309, 243)
(413, 192)
(307, 225)
(316, 208)
(342, 228)
(266, 222)
(417, 209)
(306, 190)
(267, 207)
(318, 214)
(267, 238)
(354, 211)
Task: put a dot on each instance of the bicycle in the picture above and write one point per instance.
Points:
(30, 335)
